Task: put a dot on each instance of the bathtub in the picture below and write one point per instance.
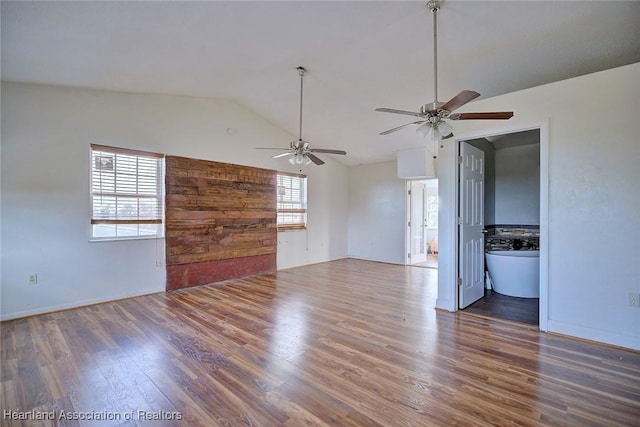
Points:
(515, 273)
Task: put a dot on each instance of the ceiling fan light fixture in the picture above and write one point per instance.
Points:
(444, 129)
(436, 138)
(424, 129)
(297, 159)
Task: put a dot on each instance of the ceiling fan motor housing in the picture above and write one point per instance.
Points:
(431, 108)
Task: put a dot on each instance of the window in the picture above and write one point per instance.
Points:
(292, 201)
(126, 193)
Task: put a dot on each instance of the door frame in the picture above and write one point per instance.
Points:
(449, 193)
(409, 260)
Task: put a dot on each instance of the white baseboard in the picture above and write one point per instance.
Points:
(75, 304)
(375, 260)
(444, 304)
(309, 263)
(606, 337)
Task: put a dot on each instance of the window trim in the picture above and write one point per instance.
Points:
(293, 226)
(160, 195)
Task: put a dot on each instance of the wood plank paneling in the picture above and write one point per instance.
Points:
(348, 343)
(220, 221)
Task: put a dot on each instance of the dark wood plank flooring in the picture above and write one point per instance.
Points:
(349, 343)
(498, 306)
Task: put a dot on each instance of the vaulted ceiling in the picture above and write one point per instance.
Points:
(360, 55)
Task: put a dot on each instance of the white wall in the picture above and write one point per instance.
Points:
(326, 235)
(377, 199)
(517, 185)
(46, 132)
(594, 201)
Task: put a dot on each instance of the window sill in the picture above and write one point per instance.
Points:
(281, 229)
(125, 239)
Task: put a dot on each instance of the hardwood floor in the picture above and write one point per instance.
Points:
(431, 262)
(347, 342)
(498, 306)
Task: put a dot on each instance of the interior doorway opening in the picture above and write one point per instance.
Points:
(448, 278)
(422, 223)
(510, 223)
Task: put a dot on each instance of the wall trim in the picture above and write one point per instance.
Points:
(85, 303)
(591, 334)
(376, 260)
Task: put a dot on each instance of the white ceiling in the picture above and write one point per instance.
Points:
(360, 55)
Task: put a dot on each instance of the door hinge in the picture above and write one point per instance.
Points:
(460, 160)
(459, 220)
(409, 192)
(409, 224)
(409, 256)
(459, 281)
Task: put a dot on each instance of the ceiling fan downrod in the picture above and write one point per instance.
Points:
(434, 6)
(301, 71)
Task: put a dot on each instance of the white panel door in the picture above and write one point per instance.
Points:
(417, 223)
(471, 257)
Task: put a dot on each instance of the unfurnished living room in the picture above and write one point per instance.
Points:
(221, 212)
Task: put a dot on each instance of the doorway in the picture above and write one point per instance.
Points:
(449, 192)
(511, 212)
(422, 223)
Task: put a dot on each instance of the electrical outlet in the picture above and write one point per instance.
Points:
(634, 299)
(33, 279)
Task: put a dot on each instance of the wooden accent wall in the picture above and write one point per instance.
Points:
(220, 221)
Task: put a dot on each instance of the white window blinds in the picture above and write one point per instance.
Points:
(126, 193)
(292, 201)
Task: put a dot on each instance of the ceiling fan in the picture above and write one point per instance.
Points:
(301, 150)
(432, 115)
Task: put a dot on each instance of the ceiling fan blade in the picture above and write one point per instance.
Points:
(277, 156)
(459, 100)
(325, 150)
(315, 159)
(272, 148)
(496, 115)
(387, 132)
(391, 110)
